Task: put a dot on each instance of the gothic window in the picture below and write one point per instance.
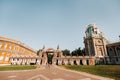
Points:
(100, 53)
(111, 52)
(118, 51)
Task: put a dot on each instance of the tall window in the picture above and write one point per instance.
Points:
(1, 58)
(100, 53)
(0, 45)
(7, 58)
(10, 47)
(5, 46)
(111, 53)
(118, 51)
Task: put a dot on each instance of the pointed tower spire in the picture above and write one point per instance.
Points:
(43, 46)
(58, 47)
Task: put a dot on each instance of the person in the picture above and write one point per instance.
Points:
(47, 65)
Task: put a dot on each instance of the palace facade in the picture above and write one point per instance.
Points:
(13, 50)
(98, 50)
(98, 46)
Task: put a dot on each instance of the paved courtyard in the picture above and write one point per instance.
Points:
(48, 73)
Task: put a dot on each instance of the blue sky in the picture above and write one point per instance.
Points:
(52, 22)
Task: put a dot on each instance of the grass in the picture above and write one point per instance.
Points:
(16, 67)
(111, 71)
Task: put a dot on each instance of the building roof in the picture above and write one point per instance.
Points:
(17, 42)
(114, 43)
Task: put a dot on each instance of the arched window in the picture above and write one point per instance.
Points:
(58, 55)
(111, 53)
(118, 51)
(0, 45)
(10, 47)
(1, 58)
(42, 55)
(100, 53)
(6, 58)
(75, 63)
(5, 46)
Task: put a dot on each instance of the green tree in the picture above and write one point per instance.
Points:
(66, 52)
(78, 52)
(83, 51)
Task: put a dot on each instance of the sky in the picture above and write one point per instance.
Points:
(49, 23)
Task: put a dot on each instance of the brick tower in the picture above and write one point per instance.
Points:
(95, 42)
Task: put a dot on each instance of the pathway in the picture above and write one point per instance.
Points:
(46, 73)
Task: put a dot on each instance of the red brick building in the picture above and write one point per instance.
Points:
(98, 46)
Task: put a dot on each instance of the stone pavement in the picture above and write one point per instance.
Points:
(48, 73)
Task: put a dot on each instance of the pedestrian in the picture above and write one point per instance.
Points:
(49, 65)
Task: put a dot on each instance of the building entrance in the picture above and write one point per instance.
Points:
(50, 58)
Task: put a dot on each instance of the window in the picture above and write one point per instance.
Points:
(3, 53)
(7, 58)
(0, 45)
(95, 32)
(58, 55)
(100, 53)
(111, 53)
(5, 46)
(118, 51)
(99, 41)
(10, 47)
(1, 58)
(42, 55)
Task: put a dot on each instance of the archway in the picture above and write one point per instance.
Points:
(50, 54)
(81, 63)
(75, 63)
(50, 57)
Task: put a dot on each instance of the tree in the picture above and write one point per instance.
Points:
(83, 51)
(66, 52)
(74, 53)
(78, 52)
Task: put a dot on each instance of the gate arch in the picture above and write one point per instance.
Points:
(44, 55)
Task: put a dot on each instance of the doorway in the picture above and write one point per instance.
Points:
(49, 58)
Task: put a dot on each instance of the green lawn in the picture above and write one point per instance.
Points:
(16, 67)
(111, 71)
